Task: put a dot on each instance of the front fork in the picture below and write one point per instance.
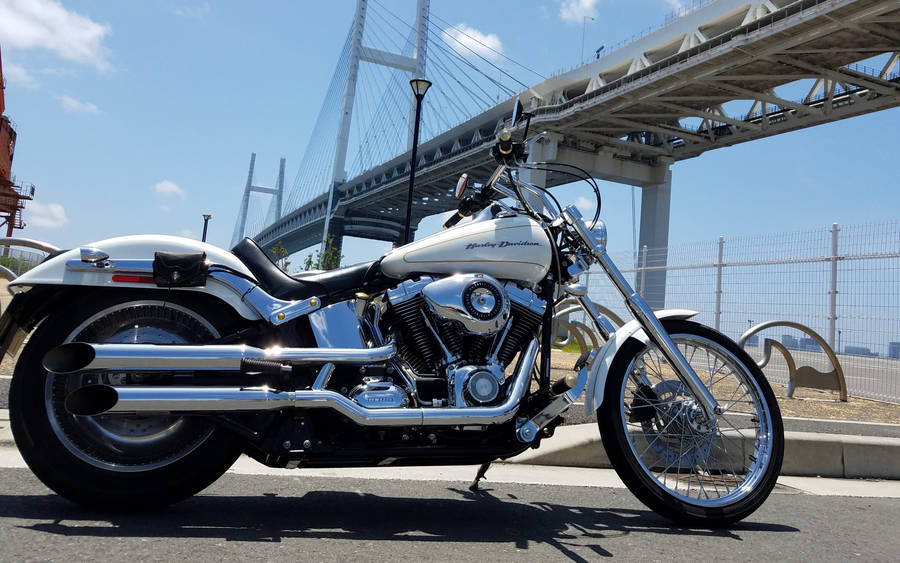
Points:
(643, 314)
(529, 430)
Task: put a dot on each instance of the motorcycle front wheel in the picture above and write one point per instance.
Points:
(117, 461)
(690, 470)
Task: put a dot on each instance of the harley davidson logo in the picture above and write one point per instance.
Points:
(500, 244)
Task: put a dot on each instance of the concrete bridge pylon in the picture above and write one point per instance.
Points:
(277, 192)
(415, 65)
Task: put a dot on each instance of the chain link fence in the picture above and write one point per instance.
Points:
(843, 282)
(19, 261)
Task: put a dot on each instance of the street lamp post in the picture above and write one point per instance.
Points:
(584, 20)
(206, 218)
(419, 87)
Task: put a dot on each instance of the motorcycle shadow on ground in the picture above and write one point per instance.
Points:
(434, 513)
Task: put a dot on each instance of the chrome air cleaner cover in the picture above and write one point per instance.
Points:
(478, 301)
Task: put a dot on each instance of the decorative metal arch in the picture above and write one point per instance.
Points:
(805, 376)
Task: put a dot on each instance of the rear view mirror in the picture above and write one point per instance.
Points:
(518, 110)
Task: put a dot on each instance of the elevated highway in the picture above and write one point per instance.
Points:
(730, 72)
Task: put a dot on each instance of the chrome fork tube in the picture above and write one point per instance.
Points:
(658, 335)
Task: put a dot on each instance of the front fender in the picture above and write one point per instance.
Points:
(596, 383)
(53, 272)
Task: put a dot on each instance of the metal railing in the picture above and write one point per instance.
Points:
(843, 282)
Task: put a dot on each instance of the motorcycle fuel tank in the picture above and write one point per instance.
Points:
(510, 248)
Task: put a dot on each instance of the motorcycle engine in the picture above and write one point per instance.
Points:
(463, 331)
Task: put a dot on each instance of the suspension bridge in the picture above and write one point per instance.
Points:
(723, 72)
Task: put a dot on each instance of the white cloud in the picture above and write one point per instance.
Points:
(187, 233)
(194, 11)
(574, 11)
(675, 5)
(56, 71)
(468, 41)
(72, 105)
(586, 205)
(167, 188)
(47, 215)
(46, 24)
(19, 75)
(165, 208)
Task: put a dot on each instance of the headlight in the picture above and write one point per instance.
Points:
(599, 232)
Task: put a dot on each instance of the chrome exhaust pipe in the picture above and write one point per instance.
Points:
(100, 399)
(81, 356)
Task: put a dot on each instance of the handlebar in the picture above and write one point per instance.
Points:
(453, 219)
(508, 154)
(470, 205)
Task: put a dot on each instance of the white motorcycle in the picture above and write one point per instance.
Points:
(154, 362)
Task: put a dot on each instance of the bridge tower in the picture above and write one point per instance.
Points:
(415, 65)
(277, 192)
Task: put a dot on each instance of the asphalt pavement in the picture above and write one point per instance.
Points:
(431, 517)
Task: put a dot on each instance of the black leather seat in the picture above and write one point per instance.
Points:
(330, 285)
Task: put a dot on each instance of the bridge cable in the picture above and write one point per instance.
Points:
(487, 61)
(499, 53)
(455, 55)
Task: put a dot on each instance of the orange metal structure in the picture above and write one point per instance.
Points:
(12, 196)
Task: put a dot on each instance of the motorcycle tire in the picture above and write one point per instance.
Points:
(117, 461)
(693, 472)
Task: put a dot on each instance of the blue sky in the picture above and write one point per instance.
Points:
(139, 116)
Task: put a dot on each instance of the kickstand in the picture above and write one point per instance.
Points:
(479, 476)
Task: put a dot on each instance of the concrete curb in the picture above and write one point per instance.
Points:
(806, 453)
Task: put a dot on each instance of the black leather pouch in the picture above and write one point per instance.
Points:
(180, 269)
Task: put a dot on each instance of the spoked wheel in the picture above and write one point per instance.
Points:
(116, 460)
(689, 469)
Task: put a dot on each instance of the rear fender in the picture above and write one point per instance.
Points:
(54, 272)
(30, 308)
(600, 368)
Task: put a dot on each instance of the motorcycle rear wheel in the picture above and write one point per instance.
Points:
(120, 462)
(690, 471)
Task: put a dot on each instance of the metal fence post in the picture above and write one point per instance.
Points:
(832, 293)
(643, 271)
(719, 265)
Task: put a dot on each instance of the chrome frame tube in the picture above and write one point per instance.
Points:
(603, 325)
(325, 373)
(137, 399)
